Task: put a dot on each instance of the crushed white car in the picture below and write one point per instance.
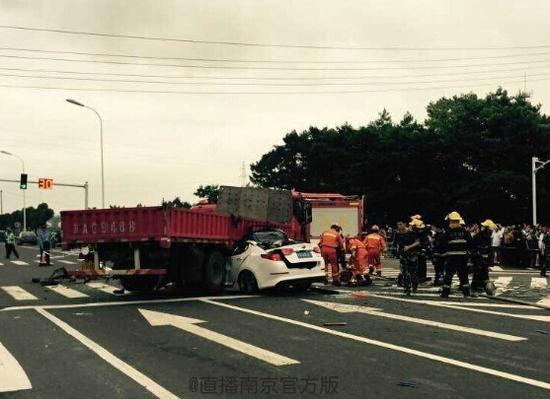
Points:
(268, 259)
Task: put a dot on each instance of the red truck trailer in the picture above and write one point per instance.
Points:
(146, 246)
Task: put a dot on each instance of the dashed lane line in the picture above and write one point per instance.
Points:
(345, 308)
(451, 305)
(18, 293)
(146, 382)
(398, 348)
(66, 291)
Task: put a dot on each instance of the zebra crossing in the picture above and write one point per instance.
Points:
(507, 283)
(80, 291)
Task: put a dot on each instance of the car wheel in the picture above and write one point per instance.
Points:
(302, 286)
(247, 283)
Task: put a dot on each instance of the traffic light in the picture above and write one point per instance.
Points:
(23, 181)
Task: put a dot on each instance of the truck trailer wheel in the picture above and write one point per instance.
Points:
(214, 272)
(139, 283)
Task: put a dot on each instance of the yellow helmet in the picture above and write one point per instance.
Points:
(417, 216)
(489, 224)
(454, 216)
(462, 222)
(419, 224)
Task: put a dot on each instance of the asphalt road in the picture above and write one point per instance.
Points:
(81, 340)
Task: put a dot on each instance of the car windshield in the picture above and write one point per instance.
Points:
(270, 238)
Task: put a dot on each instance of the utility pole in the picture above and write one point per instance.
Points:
(536, 165)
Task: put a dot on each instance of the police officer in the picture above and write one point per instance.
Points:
(438, 254)
(481, 258)
(10, 244)
(457, 241)
(408, 245)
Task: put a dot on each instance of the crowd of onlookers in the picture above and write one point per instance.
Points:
(516, 245)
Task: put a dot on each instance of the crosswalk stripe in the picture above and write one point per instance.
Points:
(67, 262)
(66, 291)
(108, 289)
(18, 293)
(19, 262)
(544, 301)
(1, 264)
(496, 269)
(539, 282)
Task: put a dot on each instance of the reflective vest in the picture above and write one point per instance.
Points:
(375, 242)
(331, 238)
(457, 242)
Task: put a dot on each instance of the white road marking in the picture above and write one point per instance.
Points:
(189, 325)
(108, 289)
(544, 301)
(12, 375)
(123, 303)
(398, 348)
(67, 262)
(19, 293)
(1, 264)
(19, 262)
(496, 269)
(344, 308)
(66, 291)
(452, 305)
(490, 305)
(137, 376)
(539, 282)
(502, 284)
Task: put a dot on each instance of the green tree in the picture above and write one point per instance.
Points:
(176, 203)
(210, 192)
(471, 154)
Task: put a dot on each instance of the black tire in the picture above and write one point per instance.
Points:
(301, 286)
(214, 273)
(141, 284)
(247, 282)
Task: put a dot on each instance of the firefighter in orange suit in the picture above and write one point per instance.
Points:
(358, 261)
(375, 245)
(331, 242)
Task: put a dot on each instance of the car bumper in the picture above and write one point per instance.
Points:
(277, 277)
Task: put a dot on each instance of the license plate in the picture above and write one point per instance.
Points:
(303, 254)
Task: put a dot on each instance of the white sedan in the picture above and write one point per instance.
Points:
(268, 259)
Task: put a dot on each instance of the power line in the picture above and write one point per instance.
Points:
(268, 84)
(257, 44)
(240, 60)
(270, 78)
(405, 89)
(194, 66)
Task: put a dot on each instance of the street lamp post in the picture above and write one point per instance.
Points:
(24, 191)
(74, 102)
(536, 165)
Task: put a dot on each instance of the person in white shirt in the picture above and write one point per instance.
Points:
(496, 238)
